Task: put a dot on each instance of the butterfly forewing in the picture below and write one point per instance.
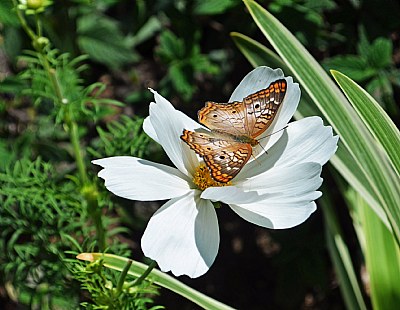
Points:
(224, 117)
(248, 118)
(262, 106)
(223, 156)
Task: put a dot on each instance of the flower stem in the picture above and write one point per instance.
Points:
(38, 25)
(23, 22)
(121, 280)
(88, 190)
(74, 136)
(139, 280)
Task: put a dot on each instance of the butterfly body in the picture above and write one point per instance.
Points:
(234, 138)
(234, 128)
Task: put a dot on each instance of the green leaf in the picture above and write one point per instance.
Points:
(353, 174)
(179, 80)
(101, 38)
(354, 66)
(363, 45)
(336, 109)
(259, 55)
(8, 16)
(137, 269)
(151, 26)
(380, 53)
(382, 255)
(321, 5)
(341, 257)
(381, 89)
(374, 117)
(210, 7)
(13, 85)
(171, 47)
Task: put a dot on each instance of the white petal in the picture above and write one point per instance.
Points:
(183, 236)
(294, 180)
(139, 179)
(149, 129)
(258, 79)
(309, 140)
(189, 123)
(288, 196)
(230, 194)
(276, 216)
(306, 140)
(168, 125)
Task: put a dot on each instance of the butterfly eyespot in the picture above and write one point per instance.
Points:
(222, 157)
(215, 115)
(209, 148)
(234, 111)
(257, 106)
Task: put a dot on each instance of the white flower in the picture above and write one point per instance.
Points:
(277, 190)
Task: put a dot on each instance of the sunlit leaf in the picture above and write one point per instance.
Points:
(336, 109)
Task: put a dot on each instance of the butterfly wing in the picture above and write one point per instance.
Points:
(248, 118)
(262, 106)
(224, 117)
(224, 158)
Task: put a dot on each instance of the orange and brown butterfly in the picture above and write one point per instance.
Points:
(234, 128)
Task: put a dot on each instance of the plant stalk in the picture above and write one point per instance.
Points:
(139, 280)
(88, 189)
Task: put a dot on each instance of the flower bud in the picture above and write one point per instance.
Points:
(34, 4)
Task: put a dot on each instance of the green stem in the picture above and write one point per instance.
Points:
(38, 25)
(53, 78)
(23, 22)
(89, 190)
(144, 275)
(74, 136)
(122, 278)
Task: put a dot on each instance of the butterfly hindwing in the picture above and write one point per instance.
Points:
(224, 158)
(223, 166)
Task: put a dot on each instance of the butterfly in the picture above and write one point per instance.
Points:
(234, 127)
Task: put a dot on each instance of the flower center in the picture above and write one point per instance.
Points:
(202, 178)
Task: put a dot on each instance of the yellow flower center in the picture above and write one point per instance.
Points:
(202, 178)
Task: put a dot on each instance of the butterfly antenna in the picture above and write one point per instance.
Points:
(265, 151)
(269, 136)
(274, 132)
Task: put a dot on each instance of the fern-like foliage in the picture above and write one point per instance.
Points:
(102, 285)
(122, 137)
(38, 205)
(55, 85)
(49, 209)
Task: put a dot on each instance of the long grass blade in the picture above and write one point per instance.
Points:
(337, 110)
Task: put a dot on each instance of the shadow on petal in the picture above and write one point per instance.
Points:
(266, 160)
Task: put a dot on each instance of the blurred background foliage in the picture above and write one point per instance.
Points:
(52, 203)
